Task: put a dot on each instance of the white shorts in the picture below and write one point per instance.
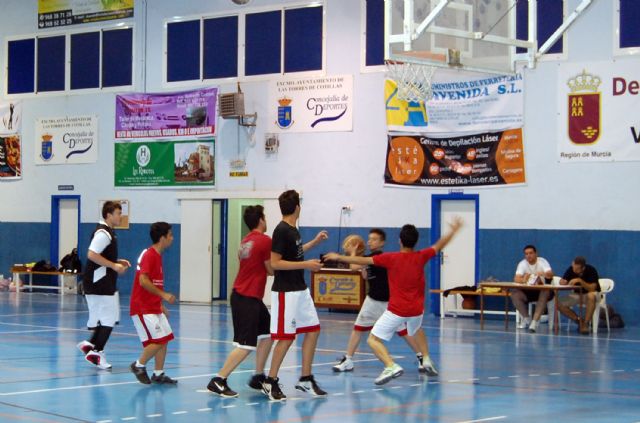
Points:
(104, 310)
(390, 323)
(292, 313)
(152, 328)
(370, 312)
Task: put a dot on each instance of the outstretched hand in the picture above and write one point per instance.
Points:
(456, 224)
(322, 236)
(331, 256)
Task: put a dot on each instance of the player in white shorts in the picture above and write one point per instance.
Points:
(292, 309)
(148, 313)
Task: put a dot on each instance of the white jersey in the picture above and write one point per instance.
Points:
(541, 265)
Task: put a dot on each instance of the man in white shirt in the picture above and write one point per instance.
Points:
(533, 270)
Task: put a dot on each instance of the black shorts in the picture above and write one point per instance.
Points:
(251, 321)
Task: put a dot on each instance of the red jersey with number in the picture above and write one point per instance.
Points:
(143, 301)
(255, 249)
(406, 280)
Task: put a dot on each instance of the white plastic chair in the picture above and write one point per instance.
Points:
(550, 307)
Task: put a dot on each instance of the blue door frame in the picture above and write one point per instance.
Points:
(55, 225)
(436, 205)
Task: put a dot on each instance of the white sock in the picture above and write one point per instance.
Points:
(158, 372)
(138, 364)
(426, 361)
(347, 356)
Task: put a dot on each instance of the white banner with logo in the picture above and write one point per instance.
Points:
(314, 104)
(598, 105)
(66, 140)
(462, 102)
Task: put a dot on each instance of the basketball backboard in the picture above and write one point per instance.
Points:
(476, 35)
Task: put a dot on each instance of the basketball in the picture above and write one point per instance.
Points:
(354, 242)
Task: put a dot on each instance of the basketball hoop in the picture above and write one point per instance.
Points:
(413, 80)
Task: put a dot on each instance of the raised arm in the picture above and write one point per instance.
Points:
(321, 236)
(454, 227)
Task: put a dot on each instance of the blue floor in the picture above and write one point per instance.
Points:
(489, 375)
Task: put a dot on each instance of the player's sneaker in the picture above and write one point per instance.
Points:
(271, 388)
(256, 381)
(162, 378)
(219, 386)
(533, 326)
(344, 365)
(389, 373)
(140, 373)
(430, 368)
(524, 323)
(308, 384)
(98, 359)
(85, 347)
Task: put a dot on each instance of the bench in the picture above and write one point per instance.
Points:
(475, 293)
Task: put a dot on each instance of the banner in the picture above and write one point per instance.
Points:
(321, 104)
(11, 114)
(10, 145)
(54, 13)
(10, 157)
(461, 104)
(165, 163)
(66, 140)
(482, 159)
(595, 104)
(186, 113)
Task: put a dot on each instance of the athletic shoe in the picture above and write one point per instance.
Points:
(308, 384)
(98, 359)
(430, 368)
(140, 373)
(533, 326)
(421, 368)
(524, 323)
(85, 347)
(389, 373)
(271, 388)
(256, 381)
(344, 365)
(163, 379)
(219, 386)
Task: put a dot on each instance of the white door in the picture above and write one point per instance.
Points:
(67, 227)
(273, 216)
(217, 248)
(196, 250)
(458, 261)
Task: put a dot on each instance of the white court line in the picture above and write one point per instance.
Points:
(126, 419)
(357, 392)
(488, 419)
(182, 412)
(28, 331)
(154, 415)
(104, 421)
(252, 403)
(208, 375)
(493, 377)
(205, 409)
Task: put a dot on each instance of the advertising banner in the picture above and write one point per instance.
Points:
(482, 159)
(10, 145)
(66, 140)
(314, 104)
(54, 13)
(10, 157)
(461, 104)
(595, 104)
(178, 114)
(165, 163)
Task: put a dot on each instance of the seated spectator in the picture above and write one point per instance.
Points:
(585, 278)
(533, 270)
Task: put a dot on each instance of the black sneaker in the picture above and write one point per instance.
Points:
(308, 384)
(163, 379)
(256, 381)
(141, 373)
(219, 386)
(271, 388)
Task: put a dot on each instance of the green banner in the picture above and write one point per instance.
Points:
(165, 163)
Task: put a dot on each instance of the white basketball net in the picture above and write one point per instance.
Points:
(413, 80)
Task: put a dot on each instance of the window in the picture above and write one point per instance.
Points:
(374, 33)
(284, 40)
(97, 59)
(550, 17)
(628, 18)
